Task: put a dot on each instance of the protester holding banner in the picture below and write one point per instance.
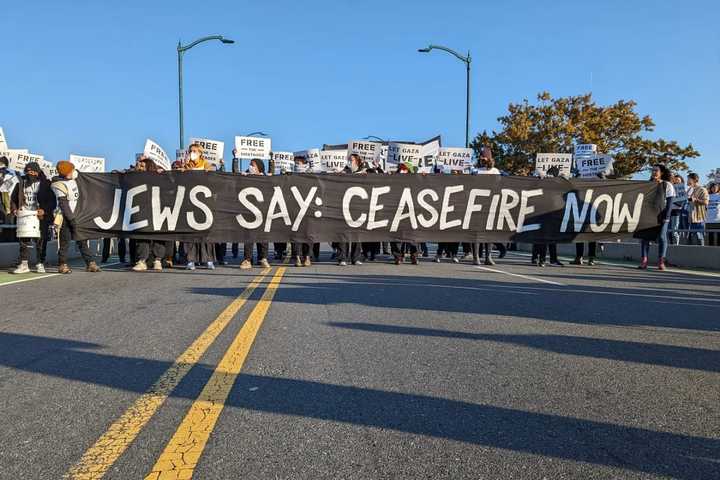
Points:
(661, 175)
(350, 251)
(486, 166)
(146, 250)
(67, 193)
(398, 249)
(198, 252)
(698, 200)
(33, 197)
(257, 167)
(371, 249)
(299, 251)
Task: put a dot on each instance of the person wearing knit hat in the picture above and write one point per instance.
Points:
(65, 168)
(32, 193)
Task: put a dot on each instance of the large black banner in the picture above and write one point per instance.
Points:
(220, 207)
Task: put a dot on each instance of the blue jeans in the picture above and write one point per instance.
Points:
(699, 234)
(674, 226)
(661, 241)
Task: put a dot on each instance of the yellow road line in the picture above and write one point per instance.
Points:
(108, 448)
(183, 451)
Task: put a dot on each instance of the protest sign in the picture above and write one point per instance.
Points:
(8, 183)
(155, 153)
(333, 161)
(680, 194)
(3, 141)
(592, 166)
(398, 153)
(428, 155)
(313, 157)
(545, 161)
(713, 209)
(180, 155)
(585, 149)
(284, 162)
(11, 154)
(19, 159)
(458, 159)
(213, 150)
(216, 207)
(88, 164)
(248, 148)
(369, 151)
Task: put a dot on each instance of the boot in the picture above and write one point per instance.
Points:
(413, 259)
(64, 268)
(308, 262)
(92, 267)
(643, 263)
(661, 264)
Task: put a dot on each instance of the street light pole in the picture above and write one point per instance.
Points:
(466, 60)
(181, 49)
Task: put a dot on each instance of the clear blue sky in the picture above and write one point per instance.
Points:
(84, 77)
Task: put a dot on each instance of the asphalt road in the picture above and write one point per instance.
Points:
(374, 371)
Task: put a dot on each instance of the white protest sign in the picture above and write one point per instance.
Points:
(333, 161)
(155, 153)
(313, 157)
(284, 162)
(18, 160)
(455, 158)
(8, 184)
(180, 155)
(595, 165)
(88, 164)
(253, 147)
(586, 149)
(369, 152)
(383, 157)
(713, 209)
(11, 153)
(545, 161)
(403, 153)
(3, 141)
(428, 155)
(213, 150)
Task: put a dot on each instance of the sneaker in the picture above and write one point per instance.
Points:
(455, 260)
(210, 266)
(489, 261)
(298, 262)
(245, 265)
(578, 261)
(357, 262)
(342, 263)
(557, 263)
(40, 268)
(476, 261)
(541, 263)
(264, 263)
(591, 262)
(308, 262)
(92, 267)
(437, 259)
(157, 265)
(190, 266)
(22, 268)
(64, 268)
(467, 256)
(140, 266)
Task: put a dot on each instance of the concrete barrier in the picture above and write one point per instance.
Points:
(687, 256)
(10, 253)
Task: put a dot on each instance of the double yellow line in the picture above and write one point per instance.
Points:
(184, 449)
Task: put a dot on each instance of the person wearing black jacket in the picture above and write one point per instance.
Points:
(66, 190)
(33, 193)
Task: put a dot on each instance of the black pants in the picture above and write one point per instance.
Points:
(40, 244)
(580, 250)
(301, 250)
(399, 248)
(370, 249)
(451, 248)
(67, 232)
(540, 251)
(220, 251)
(262, 251)
(121, 249)
(235, 250)
(150, 250)
(349, 251)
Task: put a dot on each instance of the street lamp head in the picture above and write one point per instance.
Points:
(227, 40)
(424, 50)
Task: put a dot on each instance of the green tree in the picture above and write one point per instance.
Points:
(555, 125)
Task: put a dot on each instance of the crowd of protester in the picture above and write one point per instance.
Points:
(54, 200)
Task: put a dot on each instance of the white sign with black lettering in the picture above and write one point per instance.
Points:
(155, 153)
(313, 156)
(284, 162)
(213, 150)
(3, 142)
(428, 156)
(594, 166)
(545, 161)
(459, 159)
(403, 153)
(369, 151)
(333, 161)
(88, 164)
(253, 147)
(713, 209)
(11, 153)
(19, 159)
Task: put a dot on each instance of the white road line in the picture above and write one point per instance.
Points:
(38, 277)
(527, 277)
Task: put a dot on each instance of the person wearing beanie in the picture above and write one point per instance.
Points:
(33, 193)
(67, 193)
